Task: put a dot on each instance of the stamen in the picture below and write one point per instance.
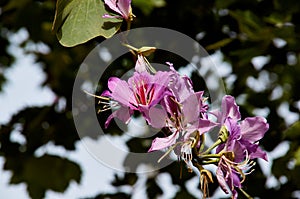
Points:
(168, 151)
(106, 102)
(97, 96)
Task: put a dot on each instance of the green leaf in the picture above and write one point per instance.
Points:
(221, 4)
(297, 157)
(78, 21)
(219, 44)
(147, 6)
(293, 132)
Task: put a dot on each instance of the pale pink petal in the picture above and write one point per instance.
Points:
(112, 83)
(123, 113)
(161, 143)
(111, 16)
(140, 65)
(124, 7)
(112, 4)
(157, 117)
(221, 180)
(121, 92)
(190, 109)
(205, 125)
(259, 153)
(230, 108)
(254, 128)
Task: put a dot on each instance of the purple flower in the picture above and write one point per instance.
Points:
(183, 121)
(182, 113)
(240, 147)
(229, 109)
(231, 174)
(243, 135)
(140, 93)
(122, 7)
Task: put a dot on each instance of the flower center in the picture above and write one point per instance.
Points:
(144, 93)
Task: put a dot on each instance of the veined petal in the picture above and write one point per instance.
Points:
(190, 109)
(254, 128)
(221, 180)
(140, 65)
(238, 149)
(111, 16)
(124, 7)
(205, 125)
(161, 143)
(259, 153)
(121, 92)
(123, 113)
(157, 117)
(112, 83)
(230, 108)
(181, 87)
(112, 4)
(233, 128)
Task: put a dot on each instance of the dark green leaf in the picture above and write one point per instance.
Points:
(78, 21)
(43, 173)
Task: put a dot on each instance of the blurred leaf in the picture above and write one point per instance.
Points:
(15, 4)
(127, 179)
(219, 44)
(78, 21)
(153, 190)
(40, 125)
(112, 196)
(297, 157)
(221, 4)
(251, 25)
(293, 132)
(184, 194)
(43, 173)
(147, 6)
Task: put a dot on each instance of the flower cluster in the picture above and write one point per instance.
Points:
(168, 100)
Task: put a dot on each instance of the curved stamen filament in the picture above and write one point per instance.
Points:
(106, 102)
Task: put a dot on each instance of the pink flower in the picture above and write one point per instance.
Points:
(122, 7)
(230, 174)
(183, 113)
(140, 93)
(243, 135)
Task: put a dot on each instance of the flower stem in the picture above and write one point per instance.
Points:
(245, 193)
(223, 135)
(219, 141)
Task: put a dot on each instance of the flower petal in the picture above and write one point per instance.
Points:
(161, 143)
(205, 125)
(221, 180)
(123, 113)
(157, 117)
(190, 109)
(121, 92)
(124, 7)
(259, 153)
(112, 4)
(254, 128)
(107, 16)
(140, 65)
(230, 108)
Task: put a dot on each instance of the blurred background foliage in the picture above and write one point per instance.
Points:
(243, 31)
